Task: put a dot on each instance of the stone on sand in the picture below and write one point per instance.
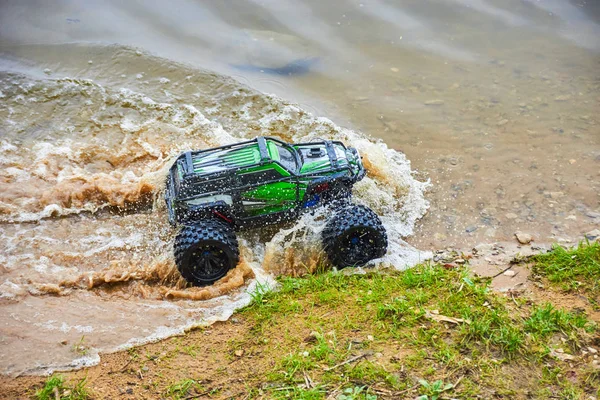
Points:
(523, 238)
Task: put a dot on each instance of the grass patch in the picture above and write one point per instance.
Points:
(183, 389)
(546, 320)
(338, 334)
(573, 270)
(56, 388)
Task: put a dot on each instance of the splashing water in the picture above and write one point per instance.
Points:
(86, 250)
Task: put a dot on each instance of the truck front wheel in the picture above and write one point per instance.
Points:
(354, 236)
(206, 251)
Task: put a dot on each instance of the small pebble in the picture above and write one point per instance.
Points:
(509, 272)
(394, 69)
(563, 97)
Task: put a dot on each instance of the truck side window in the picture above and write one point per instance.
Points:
(287, 159)
(259, 177)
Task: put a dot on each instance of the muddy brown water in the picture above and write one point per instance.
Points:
(495, 104)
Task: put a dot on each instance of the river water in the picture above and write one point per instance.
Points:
(495, 104)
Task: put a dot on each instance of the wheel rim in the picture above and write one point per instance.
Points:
(208, 262)
(358, 246)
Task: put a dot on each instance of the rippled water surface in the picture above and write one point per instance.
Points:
(494, 102)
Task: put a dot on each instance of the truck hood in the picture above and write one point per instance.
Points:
(326, 156)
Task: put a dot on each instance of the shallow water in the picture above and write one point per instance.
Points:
(494, 102)
(86, 248)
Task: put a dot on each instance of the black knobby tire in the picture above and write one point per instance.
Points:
(205, 251)
(354, 236)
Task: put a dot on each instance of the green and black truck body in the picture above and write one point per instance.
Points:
(255, 183)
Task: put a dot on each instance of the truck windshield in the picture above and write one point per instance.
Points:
(287, 158)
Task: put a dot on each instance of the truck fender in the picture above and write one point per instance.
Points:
(215, 209)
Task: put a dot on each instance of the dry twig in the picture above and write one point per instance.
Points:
(308, 382)
(122, 368)
(348, 361)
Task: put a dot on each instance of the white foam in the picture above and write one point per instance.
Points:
(10, 290)
(89, 360)
(66, 328)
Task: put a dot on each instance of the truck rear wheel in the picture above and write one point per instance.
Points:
(206, 251)
(354, 236)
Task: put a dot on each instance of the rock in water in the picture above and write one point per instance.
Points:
(564, 97)
(593, 235)
(296, 67)
(273, 53)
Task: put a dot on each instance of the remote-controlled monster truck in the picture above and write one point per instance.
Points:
(212, 193)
